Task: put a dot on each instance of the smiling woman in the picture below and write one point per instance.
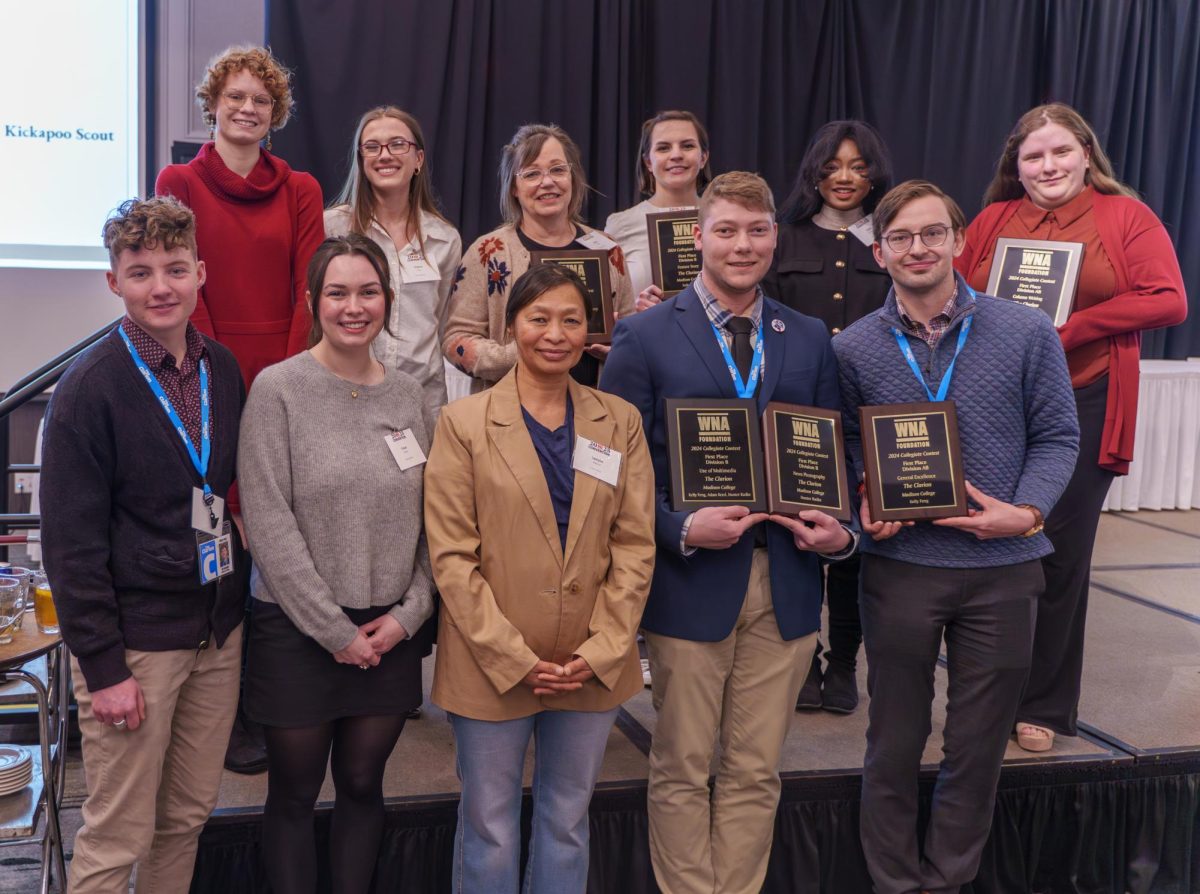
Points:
(542, 188)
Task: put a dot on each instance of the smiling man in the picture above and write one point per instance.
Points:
(149, 576)
(973, 580)
(736, 596)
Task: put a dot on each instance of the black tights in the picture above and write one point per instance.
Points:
(296, 759)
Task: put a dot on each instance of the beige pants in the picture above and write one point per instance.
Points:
(150, 790)
(744, 688)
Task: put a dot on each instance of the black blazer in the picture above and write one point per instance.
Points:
(805, 275)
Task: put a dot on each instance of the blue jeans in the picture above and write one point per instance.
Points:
(568, 751)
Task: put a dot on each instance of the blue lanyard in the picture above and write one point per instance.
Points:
(200, 461)
(746, 388)
(906, 350)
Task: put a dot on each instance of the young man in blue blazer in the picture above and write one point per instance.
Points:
(736, 597)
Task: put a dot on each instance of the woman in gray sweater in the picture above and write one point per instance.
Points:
(330, 468)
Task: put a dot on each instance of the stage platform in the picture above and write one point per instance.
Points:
(1115, 810)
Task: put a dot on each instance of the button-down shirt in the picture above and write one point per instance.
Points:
(180, 383)
(932, 332)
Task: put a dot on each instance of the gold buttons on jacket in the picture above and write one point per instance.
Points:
(835, 330)
(841, 235)
(839, 264)
(837, 296)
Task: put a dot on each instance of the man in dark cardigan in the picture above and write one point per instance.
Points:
(148, 572)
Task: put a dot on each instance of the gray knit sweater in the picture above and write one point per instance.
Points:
(331, 519)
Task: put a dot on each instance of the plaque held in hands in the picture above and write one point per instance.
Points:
(805, 461)
(715, 453)
(913, 461)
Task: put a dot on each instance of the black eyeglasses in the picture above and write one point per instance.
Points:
(932, 236)
(398, 146)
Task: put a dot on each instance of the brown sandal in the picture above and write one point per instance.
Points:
(1032, 737)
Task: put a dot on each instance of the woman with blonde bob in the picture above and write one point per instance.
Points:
(1054, 182)
(257, 221)
(542, 190)
(388, 197)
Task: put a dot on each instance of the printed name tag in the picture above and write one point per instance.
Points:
(864, 230)
(202, 518)
(596, 241)
(596, 460)
(414, 267)
(405, 449)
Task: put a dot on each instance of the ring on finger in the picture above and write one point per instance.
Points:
(119, 723)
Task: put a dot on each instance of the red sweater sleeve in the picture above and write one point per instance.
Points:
(1153, 293)
(172, 181)
(310, 232)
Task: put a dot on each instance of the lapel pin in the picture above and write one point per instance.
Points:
(778, 325)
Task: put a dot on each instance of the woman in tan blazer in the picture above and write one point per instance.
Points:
(540, 519)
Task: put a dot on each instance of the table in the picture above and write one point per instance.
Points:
(1165, 472)
(19, 813)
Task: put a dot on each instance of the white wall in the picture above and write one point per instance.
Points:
(43, 312)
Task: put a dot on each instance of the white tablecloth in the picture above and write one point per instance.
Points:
(1165, 472)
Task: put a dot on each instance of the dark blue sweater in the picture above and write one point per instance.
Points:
(1016, 416)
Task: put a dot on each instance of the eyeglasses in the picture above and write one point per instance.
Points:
(932, 236)
(235, 99)
(558, 173)
(398, 146)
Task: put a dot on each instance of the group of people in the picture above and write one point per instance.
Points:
(342, 499)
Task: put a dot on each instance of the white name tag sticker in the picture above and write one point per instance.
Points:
(864, 230)
(596, 241)
(414, 267)
(204, 517)
(594, 459)
(405, 449)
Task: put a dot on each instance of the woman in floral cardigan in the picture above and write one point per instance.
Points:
(542, 188)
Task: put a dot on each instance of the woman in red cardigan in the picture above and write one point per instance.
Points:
(257, 221)
(1054, 182)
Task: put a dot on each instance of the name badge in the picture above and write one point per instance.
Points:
(594, 459)
(214, 555)
(207, 518)
(596, 241)
(405, 449)
(864, 230)
(414, 267)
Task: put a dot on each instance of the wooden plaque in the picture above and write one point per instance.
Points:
(913, 461)
(592, 267)
(1037, 273)
(674, 260)
(805, 460)
(715, 454)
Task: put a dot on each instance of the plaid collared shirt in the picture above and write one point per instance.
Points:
(938, 324)
(181, 384)
(719, 316)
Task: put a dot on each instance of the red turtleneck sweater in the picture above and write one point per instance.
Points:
(255, 235)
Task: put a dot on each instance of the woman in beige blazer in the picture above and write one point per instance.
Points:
(540, 519)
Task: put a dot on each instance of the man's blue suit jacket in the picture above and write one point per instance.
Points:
(671, 351)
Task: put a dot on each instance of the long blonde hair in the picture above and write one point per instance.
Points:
(1006, 184)
(359, 195)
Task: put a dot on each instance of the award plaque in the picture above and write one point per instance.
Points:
(715, 454)
(1037, 273)
(805, 460)
(592, 267)
(913, 461)
(674, 260)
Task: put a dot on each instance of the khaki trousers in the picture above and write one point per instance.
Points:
(150, 790)
(744, 688)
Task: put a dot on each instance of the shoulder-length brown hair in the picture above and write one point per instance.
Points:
(334, 247)
(524, 147)
(359, 195)
(646, 181)
(1006, 184)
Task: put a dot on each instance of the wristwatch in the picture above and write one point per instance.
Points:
(1038, 521)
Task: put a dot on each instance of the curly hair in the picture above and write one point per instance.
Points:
(259, 62)
(160, 222)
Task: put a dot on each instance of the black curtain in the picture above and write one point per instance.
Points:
(943, 80)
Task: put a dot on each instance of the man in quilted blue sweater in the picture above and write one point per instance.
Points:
(973, 579)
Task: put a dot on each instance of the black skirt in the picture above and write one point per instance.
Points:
(291, 681)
